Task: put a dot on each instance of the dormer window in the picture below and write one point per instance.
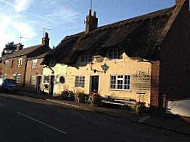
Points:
(19, 62)
(86, 58)
(115, 54)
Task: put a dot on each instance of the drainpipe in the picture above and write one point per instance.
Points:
(25, 71)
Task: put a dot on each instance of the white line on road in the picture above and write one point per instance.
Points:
(143, 119)
(49, 126)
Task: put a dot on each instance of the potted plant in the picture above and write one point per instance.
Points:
(95, 99)
(81, 97)
(140, 107)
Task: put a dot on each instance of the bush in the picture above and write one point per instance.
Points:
(95, 99)
(140, 107)
(81, 97)
(68, 95)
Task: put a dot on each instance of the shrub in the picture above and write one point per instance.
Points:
(81, 97)
(140, 107)
(95, 99)
(68, 95)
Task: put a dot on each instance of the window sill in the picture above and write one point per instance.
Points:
(78, 87)
(128, 90)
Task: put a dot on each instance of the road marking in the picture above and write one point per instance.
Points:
(143, 119)
(43, 123)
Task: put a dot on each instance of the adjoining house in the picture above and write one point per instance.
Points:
(24, 65)
(145, 58)
(0, 67)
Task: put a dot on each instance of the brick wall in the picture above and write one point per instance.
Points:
(155, 71)
(10, 67)
(175, 58)
(32, 71)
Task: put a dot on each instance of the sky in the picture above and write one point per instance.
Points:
(28, 18)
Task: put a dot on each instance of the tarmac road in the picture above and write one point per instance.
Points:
(33, 121)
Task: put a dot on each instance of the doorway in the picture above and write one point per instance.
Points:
(38, 83)
(94, 83)
(51, 85)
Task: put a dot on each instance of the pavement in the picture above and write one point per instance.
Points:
(172, 123)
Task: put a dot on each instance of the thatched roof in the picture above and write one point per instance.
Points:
(136, 36)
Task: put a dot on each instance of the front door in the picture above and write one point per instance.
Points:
(51, 87)
(38, 83)
(94, 83)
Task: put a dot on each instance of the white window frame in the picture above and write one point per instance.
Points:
(17, 77)
(80, 81)
(19, 62)
(34, 63)
(33, 82)
(118, 77)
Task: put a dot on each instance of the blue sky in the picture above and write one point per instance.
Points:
(27, 18)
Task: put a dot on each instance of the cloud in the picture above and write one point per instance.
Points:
(27, 18)
(62, 15)
(4, 36)
(24, 30)
(22, 5)
(12, 28)
(7, 3)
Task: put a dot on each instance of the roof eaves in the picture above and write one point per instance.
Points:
(16, 54)
(169, 25)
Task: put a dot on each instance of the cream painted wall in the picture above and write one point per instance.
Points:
(125, 66)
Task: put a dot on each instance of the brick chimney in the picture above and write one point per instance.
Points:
(19, 47)
(91, 22)
(45, 40)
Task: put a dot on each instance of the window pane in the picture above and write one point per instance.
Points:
(119, 84)
(113, 82)
(80, 81)
(127, 82)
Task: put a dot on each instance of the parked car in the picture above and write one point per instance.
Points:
(9, 85)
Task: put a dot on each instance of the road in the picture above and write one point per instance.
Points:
(33, 120)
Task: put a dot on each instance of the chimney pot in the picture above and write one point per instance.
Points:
(45, 40)
(94, 13)
(90, 12)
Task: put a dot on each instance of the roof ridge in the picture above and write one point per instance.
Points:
(169, 23)
(137, 18)
(123, 22)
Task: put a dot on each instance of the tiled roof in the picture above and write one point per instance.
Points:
(32, 51)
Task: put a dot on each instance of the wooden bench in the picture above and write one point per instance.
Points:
(120, 102)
